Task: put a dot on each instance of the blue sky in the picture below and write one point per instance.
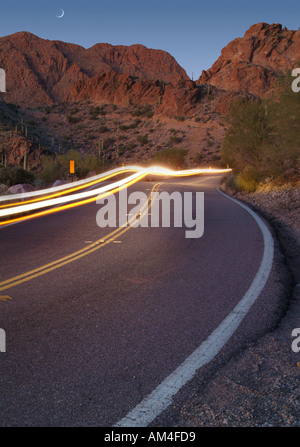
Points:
(193, 31)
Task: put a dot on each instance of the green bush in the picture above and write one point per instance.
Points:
(179, 117)
(173, 157)
(73, 119)
(135, 124)
(14, 176)
(95, 111)
(174, 140)
(58, 167)
(136, 113)
(142, 139)
(247, 180)
(264, 135)
(198, 158)
(145, 110)
(50, 171)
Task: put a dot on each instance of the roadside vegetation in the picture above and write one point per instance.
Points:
(13, 175)
(54, 167)
(263, 140)
(57, 167)
(172, 157)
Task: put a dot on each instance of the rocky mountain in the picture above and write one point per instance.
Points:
(42, 72)
(130, 101)
(177, 98)
(251, 64)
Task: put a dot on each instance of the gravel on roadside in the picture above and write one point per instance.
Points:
(260, 386)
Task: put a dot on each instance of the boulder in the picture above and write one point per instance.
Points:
(20, 188)
(59, 183)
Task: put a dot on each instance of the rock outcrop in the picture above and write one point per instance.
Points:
(124, 90)
(117, 88)
(19, 147)
(40, 71)
(251, 64)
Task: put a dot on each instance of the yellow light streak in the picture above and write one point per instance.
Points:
(72, 205)
(66, 191)
(54, 199)
(14, 281)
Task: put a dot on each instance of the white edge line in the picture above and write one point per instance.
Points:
(161, 397)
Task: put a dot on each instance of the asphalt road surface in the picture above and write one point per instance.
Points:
(88, 340)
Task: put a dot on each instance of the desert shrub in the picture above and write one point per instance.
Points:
(50, 171)
(13, 107)
(174, 140)
(58, 167)
(73, 119)
(142, 139)
(251, 131)
(229, 183)
(179, 117)
(135, 124)
(48, 110)
(130, 146)
(103, 129)
(145, 110)
(14, 175)
(247, 179)
(95, 111)
(264, 134)
(198, 158)
(171, 157)
(136, 113)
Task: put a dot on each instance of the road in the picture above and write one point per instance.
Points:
(88, 340)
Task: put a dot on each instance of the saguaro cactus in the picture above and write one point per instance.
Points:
(25, 161)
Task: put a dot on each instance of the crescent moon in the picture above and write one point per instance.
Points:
(62, 14)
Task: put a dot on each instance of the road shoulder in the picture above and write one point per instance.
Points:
(260, 385)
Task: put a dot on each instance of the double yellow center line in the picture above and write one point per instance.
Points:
(16, 280)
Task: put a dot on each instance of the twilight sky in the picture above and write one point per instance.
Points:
(193, 31)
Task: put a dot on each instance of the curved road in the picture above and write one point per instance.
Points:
(89, 340)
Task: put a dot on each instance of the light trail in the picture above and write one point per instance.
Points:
(65, 191)
(53, 199)
(62, 189)
(99, 193)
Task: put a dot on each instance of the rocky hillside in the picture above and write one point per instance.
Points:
(41, 71)
(129, 102)
(251, 64)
